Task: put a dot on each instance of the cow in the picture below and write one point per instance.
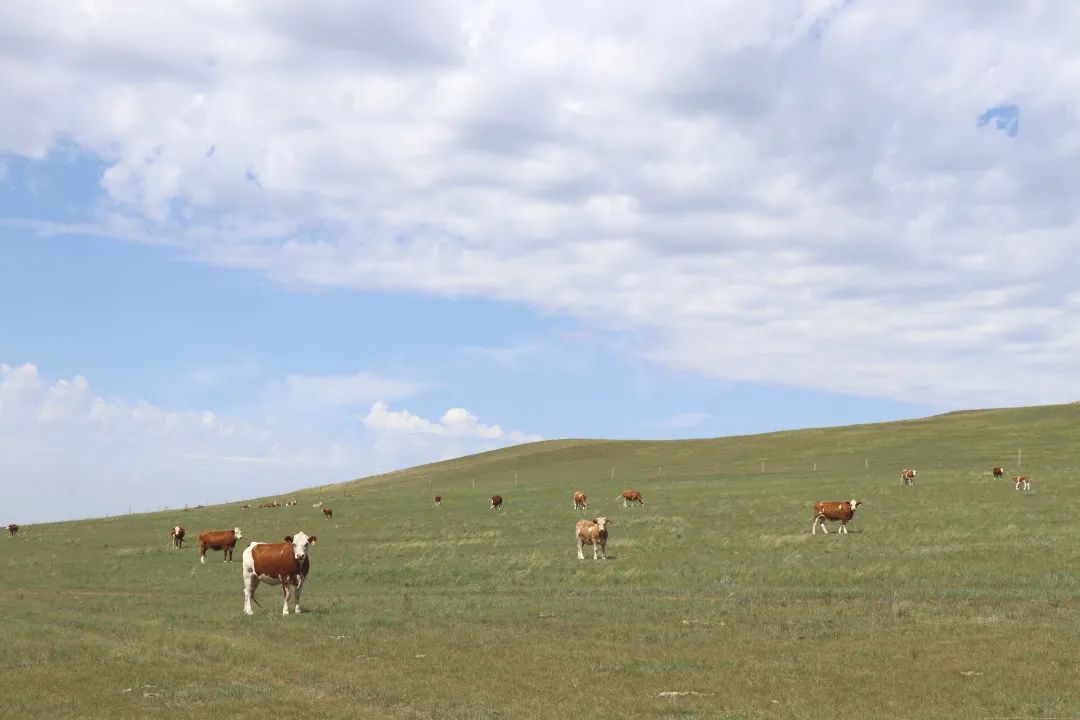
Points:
(581, 502)
(438, 501)
(285, 562)
(224, 540)
(631, 497)
(842, 511)
(12, 529)
(907, 476)
(592, 532)
(998, 472)
(245, 506)
(317, 505)
(177, 537)
(1023, 482)
(290, 503)
(328, 513)
(496, 502)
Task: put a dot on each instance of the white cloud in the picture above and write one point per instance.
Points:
(778, 192)
(69, 452)
(455, 423)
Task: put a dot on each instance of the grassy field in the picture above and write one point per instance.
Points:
(957, 598)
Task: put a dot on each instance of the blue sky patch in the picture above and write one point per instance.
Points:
(1005, 117)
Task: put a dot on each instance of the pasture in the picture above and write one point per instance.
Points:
(956, 598)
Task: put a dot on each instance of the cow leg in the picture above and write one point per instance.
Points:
(296, 594)
(594, 548)
(285, 594)
(603, 551)
(843, 528)
(202, 554)
(580, 549)
(251, 582)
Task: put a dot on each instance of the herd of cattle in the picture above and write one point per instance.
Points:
(287, 562)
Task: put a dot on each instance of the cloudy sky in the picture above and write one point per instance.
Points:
(255, 246)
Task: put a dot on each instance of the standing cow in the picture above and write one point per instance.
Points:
(592, 532)
(842, 511)
(286, 563)
(224, 540)
(177, 537)
(631, 497)
(1023, 482)
(998, 472)
(328, 513)
(581, 502)
(907, 476)
(438, 501)
(496, 502)
(12, 529)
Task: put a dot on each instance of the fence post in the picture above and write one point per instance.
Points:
(815, 468)
(612, 473)
(762, 467)
(866, 463)
(1019, 454)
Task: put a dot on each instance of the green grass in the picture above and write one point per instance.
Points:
(957, 598)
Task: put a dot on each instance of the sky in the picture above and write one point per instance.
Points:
(251, 247)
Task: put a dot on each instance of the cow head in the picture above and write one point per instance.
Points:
(601, 522)
(236, 531)
(855, 504)
(176, 530)
(300, 543)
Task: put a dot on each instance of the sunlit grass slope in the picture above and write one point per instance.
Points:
(957, 598)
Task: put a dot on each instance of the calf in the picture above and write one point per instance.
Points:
(580, 501)
(631, 497)
(496, 502)
(1023, 482)
(842, 511)
(177, 537)
(286, 563)
(592, 532)
(224, 540)
(998, 472)
(438, 501)
(907, 476)
(12, 529)
(328, 513)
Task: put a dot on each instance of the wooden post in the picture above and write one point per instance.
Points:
(762, 467)
(613, 473)
(473, 482)
(657, 472)
(815, 468)
(866, 463)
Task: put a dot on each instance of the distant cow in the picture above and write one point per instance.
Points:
(907, 476)
(842, 511)
(317, 505)
(245, 506)
(1023, 482)
(177, 537)
(286, 563)
(438, 500)
(581, 502)
(631, 497)
(290, 503)
(224, 540)
(999, 471)
(328, 513)
(13, 528)
(496, 502)
(592, 532)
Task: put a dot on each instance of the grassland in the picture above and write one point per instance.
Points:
(957, 598)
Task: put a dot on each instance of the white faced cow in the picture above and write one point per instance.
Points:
(286, 563)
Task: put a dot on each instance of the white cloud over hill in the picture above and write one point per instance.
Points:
(788, 192)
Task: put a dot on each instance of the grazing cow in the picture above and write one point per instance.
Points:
(907, 476)
(290, 503)
(286, 563)
(177, 537)
(496, 502)
(317, 505)
(224, 540)
(998, 472)
(631, 497)
(438, 501)
(842, 511)
(327, 513)
(592, 532)
(245, 506)
(1023, 482)
(581, 502)
(13, 528)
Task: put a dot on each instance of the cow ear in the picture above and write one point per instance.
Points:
(288, 538)
(312, 539)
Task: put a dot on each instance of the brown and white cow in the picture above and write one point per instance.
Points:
(631, 497)
(496, 502)
(317, 505)
(438, 501)
(290, 503)
(907, 476)
(998, 471)
(328, 513)
(1023, 482)
(581, 502)
(177, 537)
(12, 529)
(842, 511)
(592, 532)
(224, 540)
(286, 563)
